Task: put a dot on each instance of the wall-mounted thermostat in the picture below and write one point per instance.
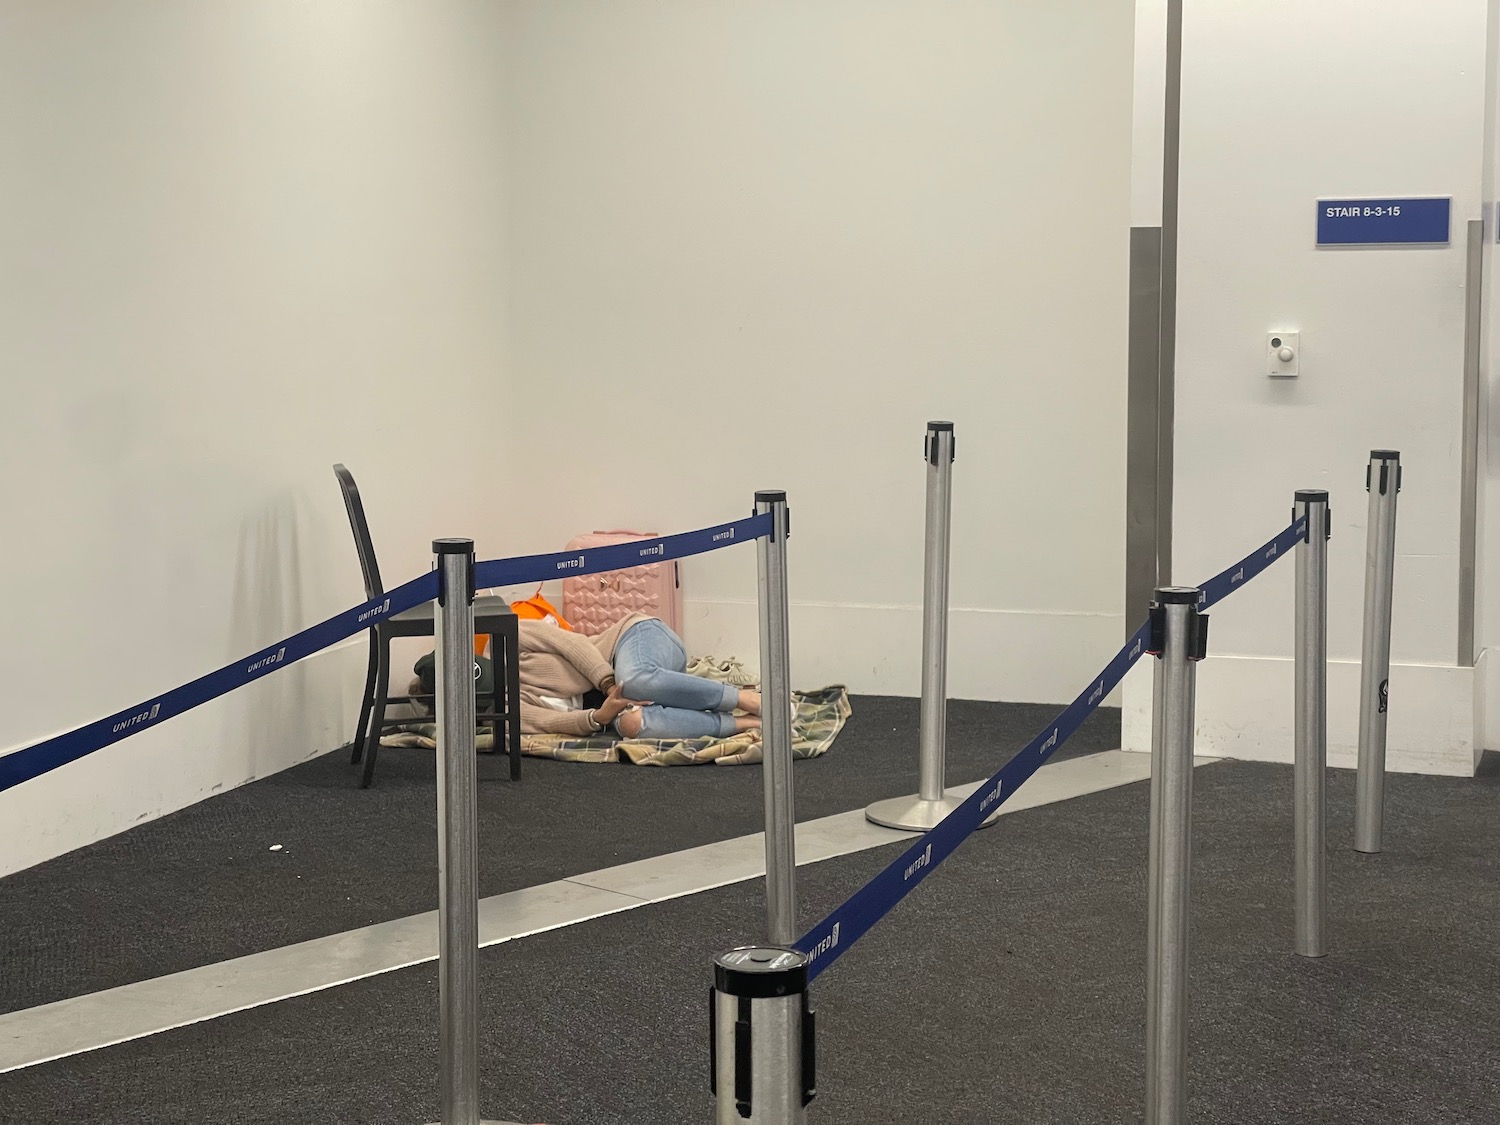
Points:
(1284, 351)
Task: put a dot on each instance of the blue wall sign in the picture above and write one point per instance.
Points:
(1372, 222)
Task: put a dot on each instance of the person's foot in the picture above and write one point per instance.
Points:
(629, 722)
(749, 701)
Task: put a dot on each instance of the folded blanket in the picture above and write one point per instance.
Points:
(821, 714)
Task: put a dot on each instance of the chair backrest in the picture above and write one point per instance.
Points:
(356, 509)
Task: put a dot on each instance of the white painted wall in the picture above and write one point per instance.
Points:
(719, 247)
(759, 244)
(238, 242)
(1148, 106)
(1284, 102)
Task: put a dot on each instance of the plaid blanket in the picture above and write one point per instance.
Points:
(821, 714)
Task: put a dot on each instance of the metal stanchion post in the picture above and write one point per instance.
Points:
(761, 1037)
(932, 736)
(1383, 482)
(1311, 747)
(1179, 636)
(931, 802)
(776, 721)
(458, 841)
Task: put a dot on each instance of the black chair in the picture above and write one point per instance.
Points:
(492, 616)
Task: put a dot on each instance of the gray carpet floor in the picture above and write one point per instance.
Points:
(202, 885)
(1008, 988)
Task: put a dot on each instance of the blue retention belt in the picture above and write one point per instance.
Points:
(43, 757)
(618, 556)
(831, 937)
(1226, 582)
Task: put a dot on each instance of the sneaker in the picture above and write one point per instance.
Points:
(725, 671)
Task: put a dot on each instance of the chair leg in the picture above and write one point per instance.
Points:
(510, 645)
(377, 717)
(366, 703)
(496, 700)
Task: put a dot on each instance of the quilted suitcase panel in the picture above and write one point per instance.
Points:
(593, 602)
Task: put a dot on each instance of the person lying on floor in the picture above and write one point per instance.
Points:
(639, 665)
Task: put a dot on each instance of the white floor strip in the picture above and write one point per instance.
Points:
(132, 1011)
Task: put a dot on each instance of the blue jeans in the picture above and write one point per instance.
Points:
(650, 663)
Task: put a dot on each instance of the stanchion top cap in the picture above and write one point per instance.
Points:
(1312, 495)
(935, 426)
(770, 496)
(1177, 595)
(761, 971)
(453, 546)
(1384, 455)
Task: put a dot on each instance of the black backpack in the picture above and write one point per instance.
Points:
(484, 674)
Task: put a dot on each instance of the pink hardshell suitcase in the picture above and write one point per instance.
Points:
(592, 603)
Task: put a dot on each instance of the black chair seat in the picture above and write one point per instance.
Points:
(489, 617)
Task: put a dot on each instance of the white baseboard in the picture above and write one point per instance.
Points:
(877, 649)
(1244, 710)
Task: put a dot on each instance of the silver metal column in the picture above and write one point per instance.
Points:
(458, 840)
(761, 1037)
(1311, 746)
(931, 802)
(1468, 505)
(1167, 344)
(1383, 481)
(776, 722)
(1143, 420)
(1179, 636)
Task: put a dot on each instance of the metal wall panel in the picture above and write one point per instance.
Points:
(1468, 511)
(1143, 408)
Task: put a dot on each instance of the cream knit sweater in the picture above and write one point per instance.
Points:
(558, 663)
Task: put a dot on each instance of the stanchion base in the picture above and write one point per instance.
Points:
(913, 814)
